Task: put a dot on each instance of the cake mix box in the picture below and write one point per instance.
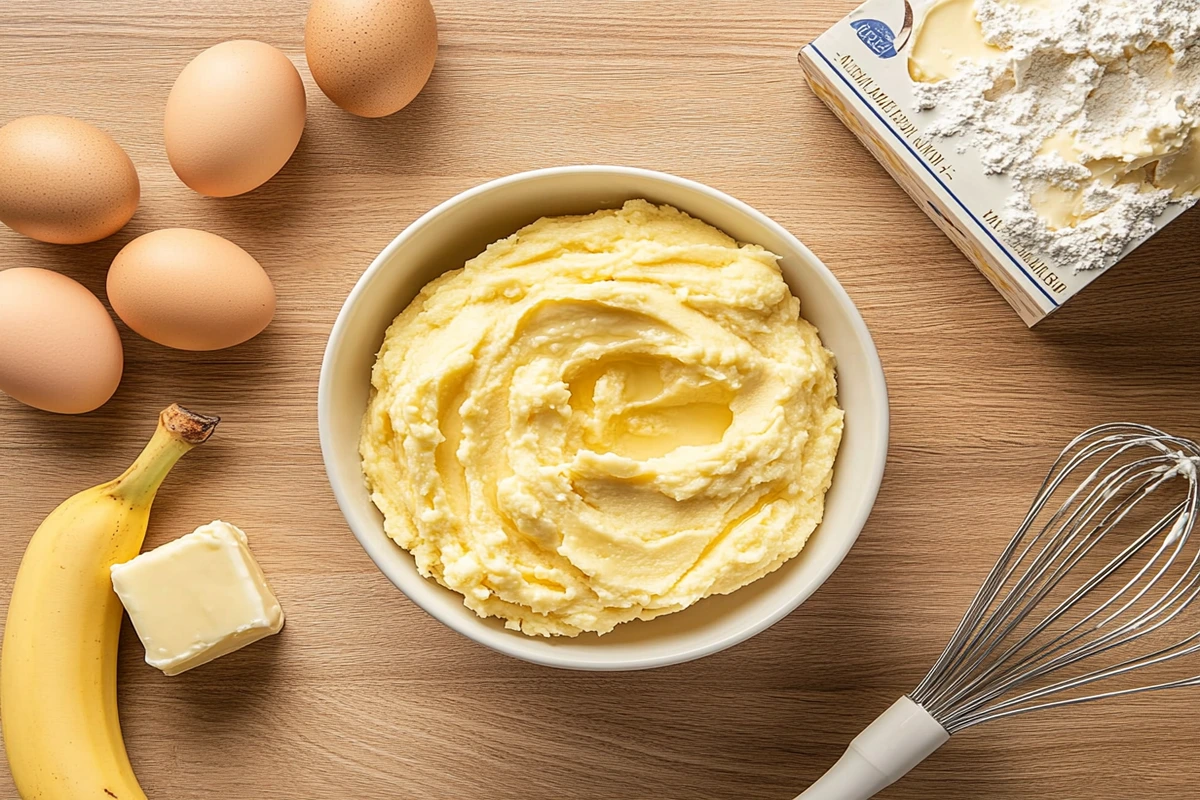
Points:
(860, 68)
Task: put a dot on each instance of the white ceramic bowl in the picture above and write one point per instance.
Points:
(462, 227)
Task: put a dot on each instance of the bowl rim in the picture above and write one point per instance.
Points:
(512, 646)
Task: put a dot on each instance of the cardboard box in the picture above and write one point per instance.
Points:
(859, 68)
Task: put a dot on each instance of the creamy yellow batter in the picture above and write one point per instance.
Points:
(600, 419)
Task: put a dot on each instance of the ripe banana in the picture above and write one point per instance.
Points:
(58, 667)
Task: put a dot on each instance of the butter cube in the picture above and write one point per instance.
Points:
(197, 598)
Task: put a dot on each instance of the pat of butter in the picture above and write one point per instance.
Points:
(197, 598)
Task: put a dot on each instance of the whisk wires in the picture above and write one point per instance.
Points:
(1087, 589)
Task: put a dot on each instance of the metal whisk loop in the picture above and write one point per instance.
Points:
(1092, 578)
(1101, 568)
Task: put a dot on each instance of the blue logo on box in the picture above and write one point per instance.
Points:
(879, 37)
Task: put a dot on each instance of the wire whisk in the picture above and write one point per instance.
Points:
(1086, 594)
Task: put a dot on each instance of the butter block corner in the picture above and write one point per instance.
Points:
(197, 598)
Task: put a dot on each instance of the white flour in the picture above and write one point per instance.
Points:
(1096, 70)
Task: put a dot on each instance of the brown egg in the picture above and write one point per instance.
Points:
(64, 181)
(371, 57)
(234, 117)
(59, 349)
(190, 289)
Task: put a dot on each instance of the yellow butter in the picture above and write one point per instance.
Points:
(197, 598)
(1150, 158)
(1181, 172)
(948, 35)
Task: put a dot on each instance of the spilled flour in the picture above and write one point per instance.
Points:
(1092, 107)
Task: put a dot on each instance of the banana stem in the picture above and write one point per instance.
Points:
(179, 430)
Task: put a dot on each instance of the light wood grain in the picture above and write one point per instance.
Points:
(364, 696)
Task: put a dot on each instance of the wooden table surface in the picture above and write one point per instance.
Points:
(364, 696)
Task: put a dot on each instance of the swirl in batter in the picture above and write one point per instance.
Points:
(600, 419)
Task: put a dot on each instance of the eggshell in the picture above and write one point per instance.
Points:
(64, 181)
(371, 57)
(59, 349)
(190, 289)
(234, 117)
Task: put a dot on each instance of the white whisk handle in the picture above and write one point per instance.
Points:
(902, 737)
